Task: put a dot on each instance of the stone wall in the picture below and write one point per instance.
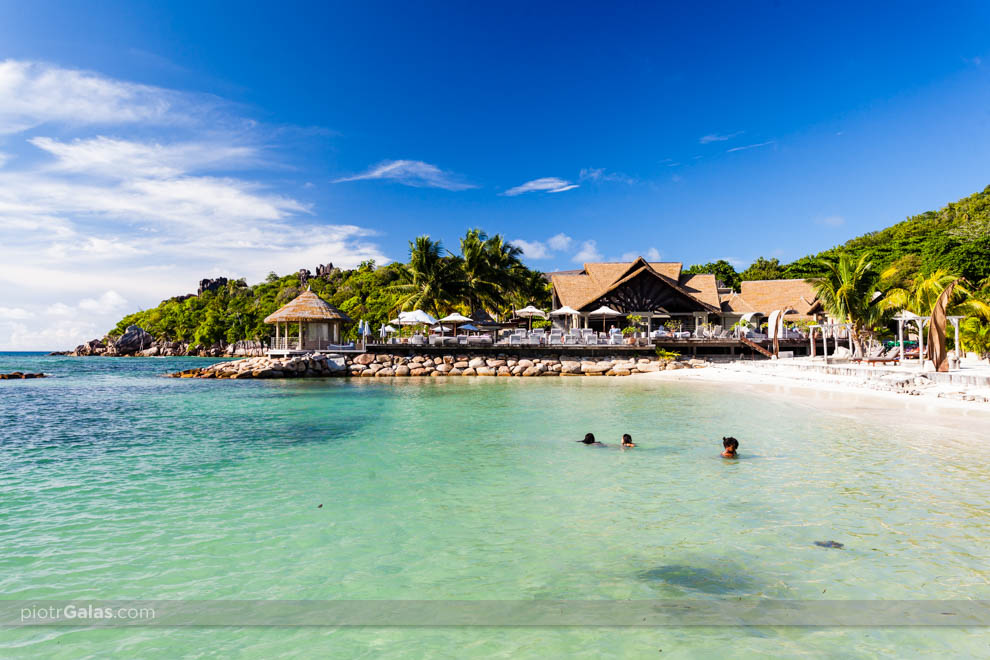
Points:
(383, 365)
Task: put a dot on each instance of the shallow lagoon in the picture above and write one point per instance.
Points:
(121, 484)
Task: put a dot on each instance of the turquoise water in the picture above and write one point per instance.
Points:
(117, 483)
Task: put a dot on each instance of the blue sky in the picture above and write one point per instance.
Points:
(146, 145)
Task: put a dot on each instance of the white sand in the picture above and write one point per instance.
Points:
(829, 390)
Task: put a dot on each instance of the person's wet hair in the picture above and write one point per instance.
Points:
(626, 439)
(730, 443)
(589, 439)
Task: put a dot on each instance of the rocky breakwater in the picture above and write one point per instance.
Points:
(370, 365)
(17, 375)
(137, 342)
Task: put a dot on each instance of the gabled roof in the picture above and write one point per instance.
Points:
(598, 279)
(307, 306)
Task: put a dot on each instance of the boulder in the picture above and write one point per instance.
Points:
(455, 372)
(530, 371)
(476, 362)
(402, 370)
(384, 372)
(525, 364)
(469, 372)
(495, 363)
(485, 371)
(461, 364)
(364, 358)
(595, 367)
(417, 371)
(504, 371)
(570, 367)
(133, 340)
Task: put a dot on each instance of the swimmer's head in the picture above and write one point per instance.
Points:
(626, 439)
(589, 439)
(730, 444)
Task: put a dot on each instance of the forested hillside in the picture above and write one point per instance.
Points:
(955, 238)
(487, 274)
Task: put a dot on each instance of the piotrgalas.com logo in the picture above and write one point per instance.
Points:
(84, 612)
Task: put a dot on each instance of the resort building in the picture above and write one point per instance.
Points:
(660, 292)
(319, 325)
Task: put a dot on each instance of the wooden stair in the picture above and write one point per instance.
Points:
(756, 347)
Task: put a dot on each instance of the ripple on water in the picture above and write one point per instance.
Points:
(121, 484)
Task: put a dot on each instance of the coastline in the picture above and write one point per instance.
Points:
(844, 392)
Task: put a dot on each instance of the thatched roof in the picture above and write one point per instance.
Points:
(765, 296)
(307, 306)
(578, 289)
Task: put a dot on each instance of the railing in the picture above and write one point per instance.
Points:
(292, 344)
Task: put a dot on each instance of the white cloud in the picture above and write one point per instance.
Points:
(749, 146)
(600, 175)
(34, 93)
(652, 254)
(14, 313)
(588, 252)
(109, 301)
(714, 137)
(108, 225)
(832, 221)
(735, 262)
(532, 249)
(560, 242)
(122, 158)
(413, 173)
(550, 184)
(4, 158)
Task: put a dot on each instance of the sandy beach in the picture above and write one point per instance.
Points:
(827, 390)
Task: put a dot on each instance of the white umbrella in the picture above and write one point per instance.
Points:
(604, 310)
(529, 312)
(565, 311)
(455, 318)
(416, 317)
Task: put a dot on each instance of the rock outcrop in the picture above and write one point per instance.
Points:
(137, 342)
(210, 285)
(134, 340)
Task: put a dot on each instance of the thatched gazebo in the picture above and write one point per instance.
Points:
(320, 323)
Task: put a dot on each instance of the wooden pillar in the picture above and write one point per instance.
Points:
(300, 335)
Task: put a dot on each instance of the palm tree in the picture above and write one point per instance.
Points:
(483, 289)
(854, 292)
(432, 281)
(924, 291)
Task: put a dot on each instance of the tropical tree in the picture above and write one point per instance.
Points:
(763, 269)
(431, 281)
(482, 286)
(853, 291)
(923, 291)
(721, 269)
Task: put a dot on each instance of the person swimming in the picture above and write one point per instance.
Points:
(730, 445)
(627, 440)
(589, 439)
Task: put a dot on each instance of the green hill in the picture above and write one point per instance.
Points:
(956, 238)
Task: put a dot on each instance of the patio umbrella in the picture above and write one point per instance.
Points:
(605, 310)
(529, 312)
(470, 327)
(565, 311)
(455, 318)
